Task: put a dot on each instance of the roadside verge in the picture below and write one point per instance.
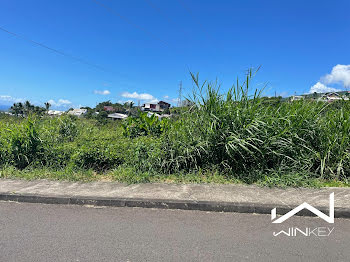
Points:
(205, 197)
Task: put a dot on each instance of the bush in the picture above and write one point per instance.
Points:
(68, 128)
(145, 154)
(144, 125)
(98, 156)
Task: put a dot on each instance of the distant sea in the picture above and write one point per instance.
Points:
(4, 108)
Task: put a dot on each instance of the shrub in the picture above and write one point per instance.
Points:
(144, 154)
(67, 127)
(144, 125)
(98, 156)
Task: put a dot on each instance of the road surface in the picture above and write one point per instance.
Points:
(39, 232)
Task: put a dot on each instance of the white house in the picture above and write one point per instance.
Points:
(117, 116)
(297, 98)
(77, 112)
(330, 97)
(159, 107)
(55, 112)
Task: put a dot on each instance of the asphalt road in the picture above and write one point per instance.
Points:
(38, 232)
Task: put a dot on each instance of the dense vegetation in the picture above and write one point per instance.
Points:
(236, 136)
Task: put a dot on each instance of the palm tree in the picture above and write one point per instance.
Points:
(28, 107)
(47, 106)
(20, 108)
(131, 104)
(14, 109)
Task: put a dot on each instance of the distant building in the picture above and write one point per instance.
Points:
(55, 112)
(296, 98)
(159, 107)
(116, 116)
(77, 112)
(163, 105)
(109, 108)
(333, 96)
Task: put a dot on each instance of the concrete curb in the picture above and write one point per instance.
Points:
(166, 204)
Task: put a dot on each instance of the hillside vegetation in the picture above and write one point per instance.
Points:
(233, 137)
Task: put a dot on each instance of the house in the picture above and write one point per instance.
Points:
(77, 112)
(109, 109)
(159, 107)
(150, 107)
(330, 97)
(116, 116)
(55, 112)
(296, 98)
(163, 105)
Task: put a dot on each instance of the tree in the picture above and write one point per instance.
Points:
(102, 117)
(20, 108)
(15, 109)
(47, 106)
(100, 106)
(131, 104)
(27, 107)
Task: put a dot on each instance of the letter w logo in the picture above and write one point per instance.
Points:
(329, 219)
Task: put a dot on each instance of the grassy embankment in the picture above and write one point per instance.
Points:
(234, 137)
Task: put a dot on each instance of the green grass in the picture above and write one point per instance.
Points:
(129, 176)
(231, 137)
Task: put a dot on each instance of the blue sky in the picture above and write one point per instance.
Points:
(146, 47)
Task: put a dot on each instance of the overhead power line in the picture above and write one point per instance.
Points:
(112, 11)
(52, 49)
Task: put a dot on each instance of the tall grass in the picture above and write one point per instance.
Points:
(246, 136)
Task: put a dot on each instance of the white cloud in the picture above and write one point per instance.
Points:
(10, 99)
(60, 102)
(137, 96)
(175, 100)
(64, 102)
(153, 101)
(6, 98)
(339, 74)
(124, 101)
(102, 92)
(321, 88)
(166, 97)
